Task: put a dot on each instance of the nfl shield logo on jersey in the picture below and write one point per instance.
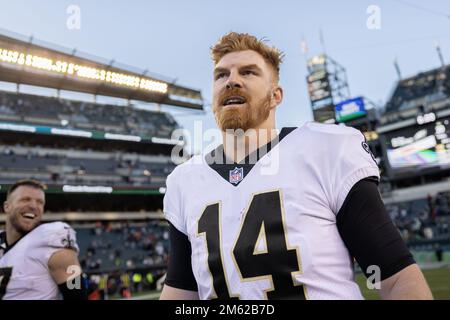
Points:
(236, 175)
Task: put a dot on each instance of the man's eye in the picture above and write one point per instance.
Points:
(220, 75)
(248, 72)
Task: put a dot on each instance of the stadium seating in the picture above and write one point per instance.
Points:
(420, 90)
(56, 165)
(32, 109)
(420, 224)
(71, 166)
(123, 246)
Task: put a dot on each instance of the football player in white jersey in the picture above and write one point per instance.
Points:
(278, 215)
(37, 261)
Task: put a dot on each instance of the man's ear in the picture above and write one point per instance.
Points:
(277, 96)
(5, 206)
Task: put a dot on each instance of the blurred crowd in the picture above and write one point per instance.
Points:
(423, 219)
(123, 246)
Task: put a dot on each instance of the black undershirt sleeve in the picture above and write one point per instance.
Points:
(179, 271)
(73, 293)
(369, 233)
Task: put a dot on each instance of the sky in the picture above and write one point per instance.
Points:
(173, 37)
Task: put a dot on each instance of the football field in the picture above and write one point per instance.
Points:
(438, 280)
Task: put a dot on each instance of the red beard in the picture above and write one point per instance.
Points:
(247, 116)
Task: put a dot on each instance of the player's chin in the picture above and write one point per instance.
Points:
(232, 124)
(232, 121)
(27, 224)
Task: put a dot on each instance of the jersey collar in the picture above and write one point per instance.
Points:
(3, 244)
(233, 172)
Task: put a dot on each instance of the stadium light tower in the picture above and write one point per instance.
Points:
(327, 86)
(397, 69)
(439, 52)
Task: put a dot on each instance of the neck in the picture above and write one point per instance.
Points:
(237, 147)
(12, 235)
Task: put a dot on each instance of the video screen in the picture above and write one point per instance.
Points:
(420, 147)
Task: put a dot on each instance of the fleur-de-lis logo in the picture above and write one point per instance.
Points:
(68, 242)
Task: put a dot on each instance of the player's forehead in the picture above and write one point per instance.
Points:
(26, 191)
(239, 59)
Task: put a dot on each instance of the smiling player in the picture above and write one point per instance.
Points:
(37, 261)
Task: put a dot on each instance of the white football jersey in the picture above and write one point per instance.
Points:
(272, 233)
(24, 272)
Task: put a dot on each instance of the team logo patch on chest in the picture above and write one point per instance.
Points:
(236, 175)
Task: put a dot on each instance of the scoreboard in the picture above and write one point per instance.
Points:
(420, 147)
(319, 89)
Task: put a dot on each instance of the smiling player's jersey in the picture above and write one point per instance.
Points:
(24, 272)
(268, 230)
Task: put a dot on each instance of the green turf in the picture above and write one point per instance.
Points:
(438, 280)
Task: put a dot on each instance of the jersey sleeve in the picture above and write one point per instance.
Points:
(172, 203)
(53, 237)
(345, 159)
(355, 162)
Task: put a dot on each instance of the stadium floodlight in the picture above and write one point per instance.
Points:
(81, 71)
(31, 63)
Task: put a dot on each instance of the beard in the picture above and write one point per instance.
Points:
(18, 226)
(248, 116)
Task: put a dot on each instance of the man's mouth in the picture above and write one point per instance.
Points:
(29, 215)
(234, 100)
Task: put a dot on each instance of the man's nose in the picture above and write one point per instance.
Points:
(234, 81)
(34, 205)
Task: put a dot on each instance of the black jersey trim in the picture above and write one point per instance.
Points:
(224, 168)
(4, 244)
